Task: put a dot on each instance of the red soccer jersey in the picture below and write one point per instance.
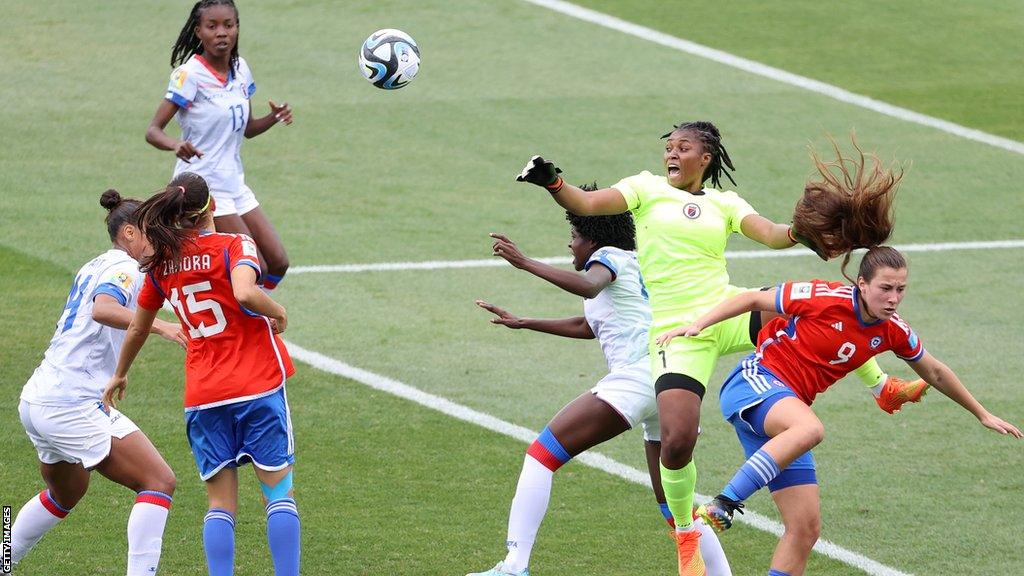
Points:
(825, 338)
(233, 354)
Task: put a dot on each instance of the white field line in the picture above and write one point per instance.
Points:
(772, 73)
(591, 459)
(496, 262)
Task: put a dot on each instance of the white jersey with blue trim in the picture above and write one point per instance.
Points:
(83, 353)
(212, 112)
(619, 315)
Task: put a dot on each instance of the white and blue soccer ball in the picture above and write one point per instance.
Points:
(389, 59)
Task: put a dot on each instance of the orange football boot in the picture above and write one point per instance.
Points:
(691, 563)
(896, 392)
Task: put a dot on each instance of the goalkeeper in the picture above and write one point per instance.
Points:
(682, 228)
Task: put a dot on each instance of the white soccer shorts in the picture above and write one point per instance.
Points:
(240, 202)
(78, 433)
(630, 392)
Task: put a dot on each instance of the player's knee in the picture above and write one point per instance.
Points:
(805, 531)
(677, 445)
(813, 433)
(164, 481)
(67, 497)
(281, 489)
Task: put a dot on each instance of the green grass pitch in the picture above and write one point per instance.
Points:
(385, 486)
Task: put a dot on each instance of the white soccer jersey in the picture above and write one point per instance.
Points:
(212, 112)
(83, 353)
(619, 315)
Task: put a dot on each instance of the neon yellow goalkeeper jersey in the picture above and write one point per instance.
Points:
(681, 240)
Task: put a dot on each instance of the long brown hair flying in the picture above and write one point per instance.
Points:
(169, 218)
(850, 206)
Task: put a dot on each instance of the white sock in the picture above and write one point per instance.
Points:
(34, 520)
(146, 532)
(528, 508)
(711, 549)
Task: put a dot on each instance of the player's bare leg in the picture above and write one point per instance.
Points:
(800, 508)
(272, 252)
(273, 259)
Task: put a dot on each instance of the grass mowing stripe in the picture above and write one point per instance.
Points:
(555, 260)
(773, 73)
(592, 459)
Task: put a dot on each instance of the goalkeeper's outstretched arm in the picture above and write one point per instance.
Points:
(603, 202)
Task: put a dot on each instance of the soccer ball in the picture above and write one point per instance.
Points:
(389, 59)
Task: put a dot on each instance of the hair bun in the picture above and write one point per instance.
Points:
(110, 199)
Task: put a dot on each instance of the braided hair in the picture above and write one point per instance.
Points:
(170, 217)
(616, 230)
(188, 43)
(711, 139)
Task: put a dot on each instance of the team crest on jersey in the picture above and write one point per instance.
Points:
(691, 211)
(178, 77)
(875, 342)
(800, 291)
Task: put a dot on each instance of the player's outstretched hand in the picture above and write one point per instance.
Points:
(282, 113)
(666, 337)
(185, 150)
(801, 239)
(542, 173)
(504, 318)
(508, 250)
(114, 392)
(993, 422)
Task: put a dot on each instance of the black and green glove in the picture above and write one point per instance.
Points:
(542, 173)
(801, 239)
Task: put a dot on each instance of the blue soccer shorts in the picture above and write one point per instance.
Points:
(257, 431)
(749, 392)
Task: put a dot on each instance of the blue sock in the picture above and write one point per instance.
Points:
(283, 536)
(774, 572)
(756, 473)
(219, 542)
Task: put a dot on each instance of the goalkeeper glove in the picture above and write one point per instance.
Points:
(798, 238)
(542, 173)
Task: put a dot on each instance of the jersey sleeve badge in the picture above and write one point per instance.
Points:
(178, 77)
(249, 247)
(800, 291)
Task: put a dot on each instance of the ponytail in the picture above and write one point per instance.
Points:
(169, 218)
(850, 207)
